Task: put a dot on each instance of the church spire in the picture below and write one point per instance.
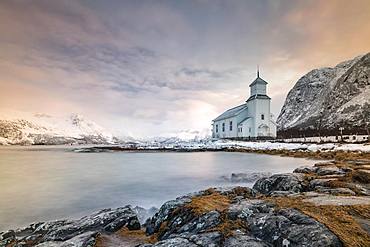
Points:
(258, 71)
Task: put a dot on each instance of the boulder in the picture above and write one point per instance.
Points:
(306, 169)
(329, 170)
(292, 182)
(319, 183)
(153, 224)
(281, 227)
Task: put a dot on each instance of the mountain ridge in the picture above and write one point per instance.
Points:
(23, 128)
(323, 100)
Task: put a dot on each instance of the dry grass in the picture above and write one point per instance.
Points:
(336, 155)
(361, 176)
(339, 219)
(203, 204)
(126, 236)
(227, 227)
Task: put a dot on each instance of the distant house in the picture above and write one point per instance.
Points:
(251, 120)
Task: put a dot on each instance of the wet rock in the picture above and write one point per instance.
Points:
(293, 182)
(80, 232)
(173, 242)
(107, 220)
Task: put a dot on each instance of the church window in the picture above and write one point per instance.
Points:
(231, 125)
(263, 116)
(216, 128)
(223, 127)
(250, 130)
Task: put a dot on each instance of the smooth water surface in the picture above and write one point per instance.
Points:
(49, 183)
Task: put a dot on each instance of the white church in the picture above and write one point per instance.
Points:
(251, 120)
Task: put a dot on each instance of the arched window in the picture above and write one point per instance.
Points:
(263, 116)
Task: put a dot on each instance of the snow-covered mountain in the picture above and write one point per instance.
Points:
(25, 128)
(328, 98)
(182, 137)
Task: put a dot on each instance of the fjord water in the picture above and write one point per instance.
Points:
(47, 183)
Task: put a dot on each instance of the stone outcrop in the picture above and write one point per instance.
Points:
(80, 232)
(246, 221)
(291, 182)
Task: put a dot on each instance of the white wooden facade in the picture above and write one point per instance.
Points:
(252, 119)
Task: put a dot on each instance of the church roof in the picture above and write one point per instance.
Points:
(258, 96)
(258, 80)
(231, 112)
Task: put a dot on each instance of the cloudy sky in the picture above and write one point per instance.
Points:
(149, 67)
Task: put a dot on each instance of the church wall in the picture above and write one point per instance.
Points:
(247, 127)
(252, 112)
(262, 107)
(273, 128)
(227, 133)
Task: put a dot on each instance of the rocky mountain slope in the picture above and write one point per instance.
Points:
(328, 98)
(27, 129)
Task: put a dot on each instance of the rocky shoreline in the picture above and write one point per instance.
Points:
(327, 204)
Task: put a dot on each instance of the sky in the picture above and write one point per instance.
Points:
(145, 68)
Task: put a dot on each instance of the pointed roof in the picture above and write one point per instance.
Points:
(231, 112)
(258, 80)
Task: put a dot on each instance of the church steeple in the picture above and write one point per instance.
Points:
(258, 86)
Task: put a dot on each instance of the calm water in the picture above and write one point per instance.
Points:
(53, 182)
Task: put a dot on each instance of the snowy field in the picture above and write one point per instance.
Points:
(219, 144)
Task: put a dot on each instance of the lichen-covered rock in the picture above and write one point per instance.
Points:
(181, 223)
(239, 239)
(293, 182)
(285, 227)
(153, 224)
(173, 242)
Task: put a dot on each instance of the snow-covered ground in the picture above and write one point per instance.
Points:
(266, 145)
